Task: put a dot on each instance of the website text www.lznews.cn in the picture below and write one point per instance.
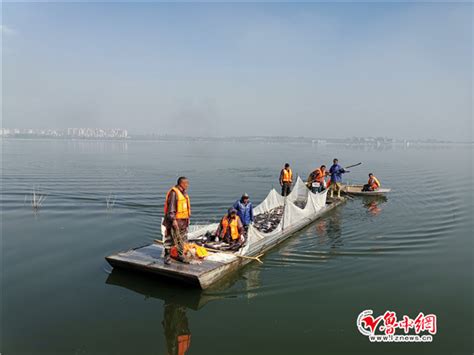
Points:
(401, 338)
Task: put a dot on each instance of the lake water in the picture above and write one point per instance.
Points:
(409, 253)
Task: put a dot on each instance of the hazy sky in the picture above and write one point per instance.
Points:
(323, 70)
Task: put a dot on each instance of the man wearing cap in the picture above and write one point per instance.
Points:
(230, 229)
(244, 210)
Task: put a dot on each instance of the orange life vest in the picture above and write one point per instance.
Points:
(184, 341)
(200, 251)
(183, 208)
(287, 175)
(374, 183)
(234, 227)
(320, 174)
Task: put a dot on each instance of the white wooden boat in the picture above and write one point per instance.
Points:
(216, 266)
(357, 190)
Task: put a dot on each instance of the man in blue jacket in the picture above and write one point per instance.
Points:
(336, 172)
(244, 210)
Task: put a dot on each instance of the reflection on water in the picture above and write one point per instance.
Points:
(97, 146)
(329, 231)
(374, 204)
(178, 298)
(176, 328)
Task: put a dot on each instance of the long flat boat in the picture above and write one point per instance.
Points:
(293, 213)
(357, 190)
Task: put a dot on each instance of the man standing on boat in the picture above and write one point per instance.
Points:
(286, 180)
(336, 172)
(244, 210)
(176, 221)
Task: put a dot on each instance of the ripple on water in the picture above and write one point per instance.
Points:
(419, 217)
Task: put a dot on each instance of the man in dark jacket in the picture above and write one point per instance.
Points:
(244, 210)
(336, 172)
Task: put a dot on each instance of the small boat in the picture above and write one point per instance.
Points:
(357, 190)
(299, 209)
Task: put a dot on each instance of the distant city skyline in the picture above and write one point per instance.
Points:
(120, 133)
(217, 69)
(85, 132)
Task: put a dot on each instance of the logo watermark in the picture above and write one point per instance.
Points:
(383, 328)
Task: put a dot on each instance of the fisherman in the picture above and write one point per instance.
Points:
(244, 210)
(231, 228)
(372, 185)
(336, 172)
(316, 180)
(286, 180)
(176, 221)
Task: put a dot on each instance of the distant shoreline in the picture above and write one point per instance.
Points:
(292, 140)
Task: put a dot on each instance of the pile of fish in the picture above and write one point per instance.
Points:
(268, 221)
(209, 240)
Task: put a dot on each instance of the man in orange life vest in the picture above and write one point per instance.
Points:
(176, 221)
(231, 228)
(286, 179)
(372, 185)
(316, 182)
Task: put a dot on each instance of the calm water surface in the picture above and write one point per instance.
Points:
(408, 253)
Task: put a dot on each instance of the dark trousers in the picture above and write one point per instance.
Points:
(318, 189)
(286, 189)
(367, 187)
(176, 237)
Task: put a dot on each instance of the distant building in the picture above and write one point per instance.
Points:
(105, 133)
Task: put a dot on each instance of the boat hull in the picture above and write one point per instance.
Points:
(357, 190)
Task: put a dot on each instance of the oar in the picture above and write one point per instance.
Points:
(257, 258)
(351, 166)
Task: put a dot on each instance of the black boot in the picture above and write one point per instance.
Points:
(167, 259)
(182, 259)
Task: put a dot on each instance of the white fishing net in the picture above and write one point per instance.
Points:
(299, 209)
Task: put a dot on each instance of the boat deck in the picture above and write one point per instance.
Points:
(150, 258)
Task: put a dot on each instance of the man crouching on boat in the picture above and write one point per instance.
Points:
(372, 185)
(231, 229)
(176, 221)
